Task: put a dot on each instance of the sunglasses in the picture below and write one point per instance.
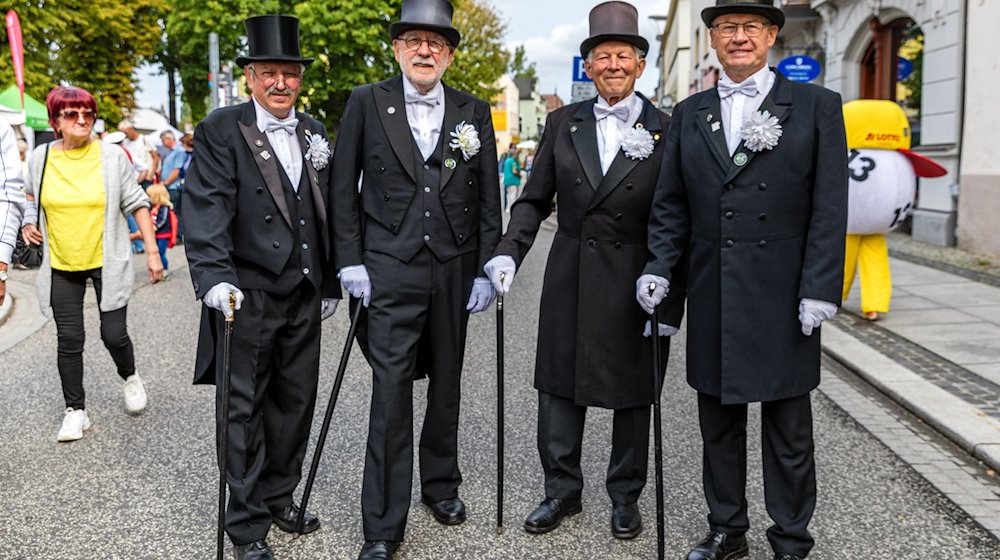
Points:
(73, 115)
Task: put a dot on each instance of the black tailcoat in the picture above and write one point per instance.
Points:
(590, 343)
(759, 236)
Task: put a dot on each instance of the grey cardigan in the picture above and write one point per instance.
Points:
(124, 196)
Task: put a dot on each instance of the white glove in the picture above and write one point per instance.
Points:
(646, 300)
(357, 283)
(665, 330)
(494, 267)
(327, 308)
(218, 298)
(481, 297)
(812, 313)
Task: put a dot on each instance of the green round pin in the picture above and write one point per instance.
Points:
(740, 159)
(449, 163)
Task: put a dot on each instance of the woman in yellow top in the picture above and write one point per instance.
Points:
(80, 191)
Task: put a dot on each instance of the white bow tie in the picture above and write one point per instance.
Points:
(288, 125)
(416, 97)
(747, 88)
(604, 111)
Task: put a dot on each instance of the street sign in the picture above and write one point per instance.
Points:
(800, 68)
(582, 91)
(579, 73)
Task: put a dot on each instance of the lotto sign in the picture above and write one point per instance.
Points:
(800, 68)
(882, 188)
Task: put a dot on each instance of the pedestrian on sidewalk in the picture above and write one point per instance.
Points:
(511, 178)
(163, 222)
(754, 192)
(11, 200)
(411, 244)
(80, 192)
(256, 199)
(591, 351)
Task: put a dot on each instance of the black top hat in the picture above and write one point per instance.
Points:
(614, 21)
(761, 7)
(429, 15)
(272, 37)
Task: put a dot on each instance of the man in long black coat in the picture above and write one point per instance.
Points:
(411, 244)
(591, 350)
(256, 202)
(754, 192)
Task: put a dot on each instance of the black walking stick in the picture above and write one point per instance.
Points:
(227, 345)
(500, 410)
(657, 427)
(300, 523)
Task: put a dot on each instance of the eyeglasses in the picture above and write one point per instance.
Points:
(269, 77)
(413, 43)
(73, 114)
(750, 29)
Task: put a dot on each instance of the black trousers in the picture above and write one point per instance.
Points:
(274, 372)
(67, 293)
(417, 306)
(789, 468)
(560, 439)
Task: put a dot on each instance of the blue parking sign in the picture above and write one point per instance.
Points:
(579, 74)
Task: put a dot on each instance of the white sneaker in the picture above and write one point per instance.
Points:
(74, 423)
(135, 394)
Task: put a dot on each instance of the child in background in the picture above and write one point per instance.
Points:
(160, 212)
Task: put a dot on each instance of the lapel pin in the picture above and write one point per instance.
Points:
(709, 119)
(391, 110)
(449, 163)
(638, 125)
(740, 159)
(259, 143)
(656, 137)
(716, 126)
(266, 155)
(572, 128)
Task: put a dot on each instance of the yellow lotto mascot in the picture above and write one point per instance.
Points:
(883, 184)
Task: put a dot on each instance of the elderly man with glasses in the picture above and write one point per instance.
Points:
(411, 243)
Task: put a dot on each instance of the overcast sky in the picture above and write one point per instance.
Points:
(550, 30)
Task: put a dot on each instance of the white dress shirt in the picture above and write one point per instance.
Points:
(738, 106)
(425, 115)
(609, 138)
(286, 146)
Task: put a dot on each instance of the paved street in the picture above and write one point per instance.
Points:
(145, 487)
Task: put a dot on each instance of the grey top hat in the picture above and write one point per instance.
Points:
(614, 21)
(272, 37)
(760, 7)
(428, 15)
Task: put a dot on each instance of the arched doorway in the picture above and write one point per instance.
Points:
(898, 75)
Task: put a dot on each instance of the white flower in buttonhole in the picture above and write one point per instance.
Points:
(637, 143)
(318, 152)
(466, 138)
(760, 131)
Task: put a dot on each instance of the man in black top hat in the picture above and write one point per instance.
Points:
(255, 203)
(754, 193)
(411, 244)
(601, 157)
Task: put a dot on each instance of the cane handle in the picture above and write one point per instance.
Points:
(652, 288)
(232, 307)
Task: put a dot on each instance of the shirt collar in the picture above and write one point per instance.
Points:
(436, 92)
(761, 77)
(264, 116)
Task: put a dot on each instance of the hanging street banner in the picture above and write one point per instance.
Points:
(16, 51)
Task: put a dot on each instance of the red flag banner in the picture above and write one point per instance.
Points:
(16, 50)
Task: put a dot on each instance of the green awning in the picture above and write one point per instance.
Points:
(37, 114)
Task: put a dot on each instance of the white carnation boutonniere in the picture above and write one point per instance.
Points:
(466, 138)
(638, 143)
(760, 131)
(318, 152)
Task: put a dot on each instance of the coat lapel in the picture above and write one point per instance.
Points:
(263, 156)
(622, 164)
(709, 119)
(777, 102)
(456, 111)
(584, 134)
(392, 111)
(305, 135)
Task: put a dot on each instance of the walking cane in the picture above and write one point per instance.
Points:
(227, 344)
(657, 428)
(500, 411)
(300, 522)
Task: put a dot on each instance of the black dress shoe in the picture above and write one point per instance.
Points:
(286, 519)
(447, 512)
(787, 556)
(550, 513)
(377, 550)
(720, 546)
(257, 550)
(626, 523)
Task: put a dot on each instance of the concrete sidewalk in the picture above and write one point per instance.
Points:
(937, 352)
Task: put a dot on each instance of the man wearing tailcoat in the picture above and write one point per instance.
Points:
(411, 242)
(256, 209)
(754, 192)
(601, 157)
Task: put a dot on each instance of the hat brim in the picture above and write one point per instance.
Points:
(589, 43)
(242, 61)
(923, 166)
(398, 28)
(775, 15)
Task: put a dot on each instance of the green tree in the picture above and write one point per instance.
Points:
(481, 57)
(519, 67)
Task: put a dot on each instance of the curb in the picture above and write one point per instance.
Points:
(959, 421)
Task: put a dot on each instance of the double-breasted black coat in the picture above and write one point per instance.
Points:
(590, 343)
(761, 230)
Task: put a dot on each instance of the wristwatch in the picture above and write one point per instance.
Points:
(3, 276)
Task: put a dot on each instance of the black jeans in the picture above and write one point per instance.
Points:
(67, 309)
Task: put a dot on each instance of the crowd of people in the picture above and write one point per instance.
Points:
(734, 206)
